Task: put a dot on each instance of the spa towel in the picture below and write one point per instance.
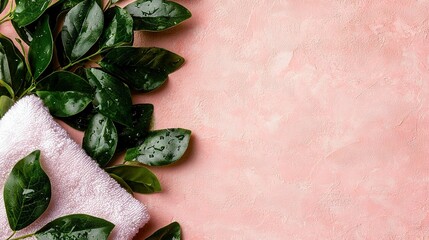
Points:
(78, 184)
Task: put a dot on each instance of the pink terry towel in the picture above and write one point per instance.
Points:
(78, 184)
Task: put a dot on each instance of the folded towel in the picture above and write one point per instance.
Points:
(78, 184)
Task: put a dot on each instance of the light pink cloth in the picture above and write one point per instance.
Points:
(78, 184)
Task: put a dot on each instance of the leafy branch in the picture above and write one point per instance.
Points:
(96, 99)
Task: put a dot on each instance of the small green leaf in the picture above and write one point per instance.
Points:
(82, 27)
(76, 226)
(141, 115)
(169, 232)
(27, 11)
(161, 147)
(139, 178)
(12, 66)
(157, 15)
(142, 68)
(81, 120)
(27, 192)
(5, 104)
(121, 182)
(112, 97)
(118, 28)
(100, 139)
(65, 93)
(41, 48)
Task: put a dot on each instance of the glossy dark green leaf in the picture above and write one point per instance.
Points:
(65, 93)
(118, 28)
(3, 4)
(81, 120)
(64, 81)
(5, 104)
(64, 104)
(82, 27)
(139, 178)
(76, 226)
(112, 97)
(170, 232)
(27, 192)
(161, 147)
(27, 11)
(12, 66)
(41, 48)
(121, 182)
(141, 115)
(100, 139)
(157, 15)
(142, 68)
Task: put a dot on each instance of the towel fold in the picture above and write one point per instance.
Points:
(78, 184)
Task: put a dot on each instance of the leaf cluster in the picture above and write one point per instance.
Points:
(82, 63)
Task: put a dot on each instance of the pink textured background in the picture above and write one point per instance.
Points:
(310, 120)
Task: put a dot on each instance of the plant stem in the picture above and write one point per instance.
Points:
(5, 17)
(11, 235)
(83, 59)
(23, 237)
(28, 90)
(3, 20)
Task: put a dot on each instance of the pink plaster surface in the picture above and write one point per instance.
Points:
(310, 120)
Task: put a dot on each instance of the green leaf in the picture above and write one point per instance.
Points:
(157, 15)
(139, 178)
(81, 120)
(121, 182)
(161, 147)
(65, 104)
(170, 232)
(27, 11)
(27, 192)
(118, 28)
(65, 93)
(82, 27)
(41, 48)
(12, 66)
(76, 226)
(112, 97)
(100, 139)
(5, 104)
(142, 68)
(141, 116)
